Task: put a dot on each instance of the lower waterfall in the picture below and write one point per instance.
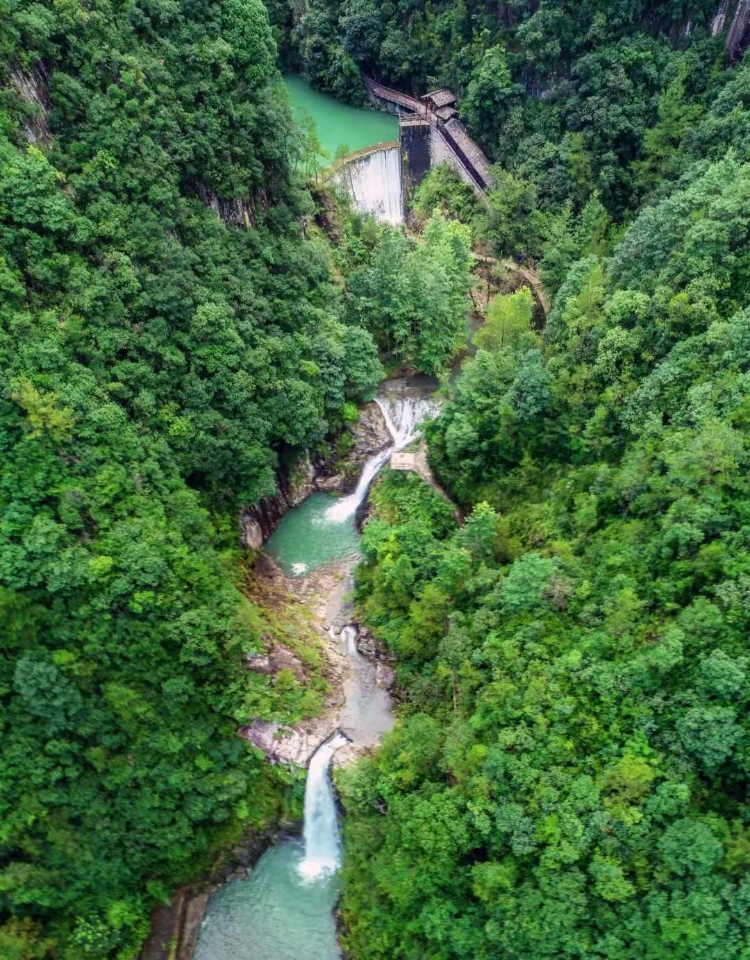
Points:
(374, 183)
(321, 830)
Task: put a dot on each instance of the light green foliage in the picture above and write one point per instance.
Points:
(576, 654)
(414, 294)
(507, 322)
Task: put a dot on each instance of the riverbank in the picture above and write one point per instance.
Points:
(322, 598)
(359, 678)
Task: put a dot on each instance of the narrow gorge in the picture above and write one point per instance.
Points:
(284, 909)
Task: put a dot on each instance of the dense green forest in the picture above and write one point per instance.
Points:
(569, 778)
(180, 318)
(158, 362)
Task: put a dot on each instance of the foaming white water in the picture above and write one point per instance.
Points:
(321, 833)
(403, 416)
(349, 637)
(374, 184)
(346, 507)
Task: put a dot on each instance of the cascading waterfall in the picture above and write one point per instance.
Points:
(346, 507)
(321, 831)
(403, 416)
(374, 184)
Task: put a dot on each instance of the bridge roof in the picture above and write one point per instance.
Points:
(446, 113)
(440, 98)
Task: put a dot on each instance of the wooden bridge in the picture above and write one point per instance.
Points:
(401, 460)
(531, 277)
(403, 100)
(457, 146)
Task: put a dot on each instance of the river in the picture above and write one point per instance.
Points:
(284, 909)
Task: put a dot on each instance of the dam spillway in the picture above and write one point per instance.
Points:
(373, 181)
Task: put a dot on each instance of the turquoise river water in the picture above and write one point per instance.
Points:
(339, 124)
(307, 539)
(275, 914)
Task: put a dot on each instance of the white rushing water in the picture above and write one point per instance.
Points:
(374, 184)
(403, 417)
(349, 639)
(321, 833)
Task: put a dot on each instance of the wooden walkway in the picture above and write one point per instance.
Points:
(393, 96)
(459, 154)
(531, 277)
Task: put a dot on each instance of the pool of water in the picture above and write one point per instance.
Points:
(307, 538)
(339, 124)
(274, 914)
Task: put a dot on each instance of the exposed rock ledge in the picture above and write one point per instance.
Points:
(288, 744)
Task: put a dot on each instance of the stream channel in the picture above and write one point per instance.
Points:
(284, 909)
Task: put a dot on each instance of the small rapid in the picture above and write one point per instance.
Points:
(321, 829)
(404, 416)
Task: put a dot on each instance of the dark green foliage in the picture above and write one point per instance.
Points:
(569, 97)
(157, 363)
(569, 776)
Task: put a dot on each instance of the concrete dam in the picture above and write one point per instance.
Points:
(379, 178)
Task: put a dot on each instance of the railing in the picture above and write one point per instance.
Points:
(464, 160)
(402, 99)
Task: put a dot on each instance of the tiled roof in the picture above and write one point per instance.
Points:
(446, 113)
(440, 98)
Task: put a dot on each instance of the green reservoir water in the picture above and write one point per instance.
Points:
(338, 123)
(273, 915)
(307, 538)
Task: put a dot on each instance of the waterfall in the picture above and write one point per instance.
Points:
(720, 17)
(374, 184)
(321, 833)
(402, 415)
(349, 636)
(346, 507)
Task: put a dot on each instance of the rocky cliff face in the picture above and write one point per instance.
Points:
(33, 88)
(367, 437)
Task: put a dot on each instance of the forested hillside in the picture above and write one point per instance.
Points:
(179, 319)
(570, 775)
(568, 96)
(157, 362)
